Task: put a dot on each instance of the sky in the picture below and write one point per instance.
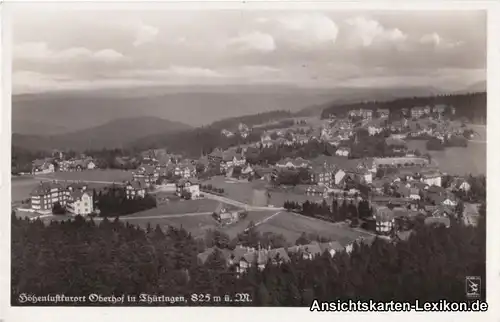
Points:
(60, 50)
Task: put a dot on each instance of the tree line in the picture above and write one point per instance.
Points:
(80, 257)
(334, 212)
(113, 201)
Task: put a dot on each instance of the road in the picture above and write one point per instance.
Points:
(265, 219)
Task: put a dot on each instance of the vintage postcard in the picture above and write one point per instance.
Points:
(206, 155)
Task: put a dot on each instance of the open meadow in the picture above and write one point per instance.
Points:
(197, 225)
(179, 207)
(104, 175)
(293, 225)
(243, 191)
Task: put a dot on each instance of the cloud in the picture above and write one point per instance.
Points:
(253, 41)
(145, 34)
(433, 39)
(40, 52)
(303, 29)
(366, 32)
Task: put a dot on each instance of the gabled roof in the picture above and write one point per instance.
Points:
(312, 248)
(384, 214)
(436, 190)
(44, 188)
(394, 142)
(437, 220)
(38, 163)
(216, 153)
(136, 184)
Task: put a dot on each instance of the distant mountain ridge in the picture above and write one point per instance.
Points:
(114, 134)
(196, 106)
(146, 119)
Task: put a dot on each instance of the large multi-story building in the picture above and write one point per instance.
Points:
(47, 194)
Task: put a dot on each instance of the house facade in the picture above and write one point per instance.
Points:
(146, 173)
(385, 221)
(190, 186)
(135, 189)
(383, 112)
(185, 170)
(46, 194)
(344, 152)
(431, 179)
(323, 175)
(80, 203)
(42, 167)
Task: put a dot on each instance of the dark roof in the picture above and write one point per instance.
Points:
(44, 188)
(437, 220)
(313, 248)
(136, 184)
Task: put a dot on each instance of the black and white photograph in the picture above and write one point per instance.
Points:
(328, 159)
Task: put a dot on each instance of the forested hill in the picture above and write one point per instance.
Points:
(202, 140)
(81, 257)
(471, 105)
(251, 120)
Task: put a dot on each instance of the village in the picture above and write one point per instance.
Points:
(354, 170)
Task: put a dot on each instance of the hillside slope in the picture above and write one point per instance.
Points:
(114, 134)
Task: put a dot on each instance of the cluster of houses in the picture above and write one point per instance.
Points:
(74, 197)
(242, 258)
(77, 164)
(50, 165)
(243, 130)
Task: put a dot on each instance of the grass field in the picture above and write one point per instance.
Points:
(292, 226)
(180, 207)
(108, 175)
(243, 191)
(240, 191)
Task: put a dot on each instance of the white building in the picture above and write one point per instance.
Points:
(191, 186)
(80, 203)
(432, 179)
(91, 165)
(344, 152)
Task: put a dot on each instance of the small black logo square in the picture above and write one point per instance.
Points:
(473, 286)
